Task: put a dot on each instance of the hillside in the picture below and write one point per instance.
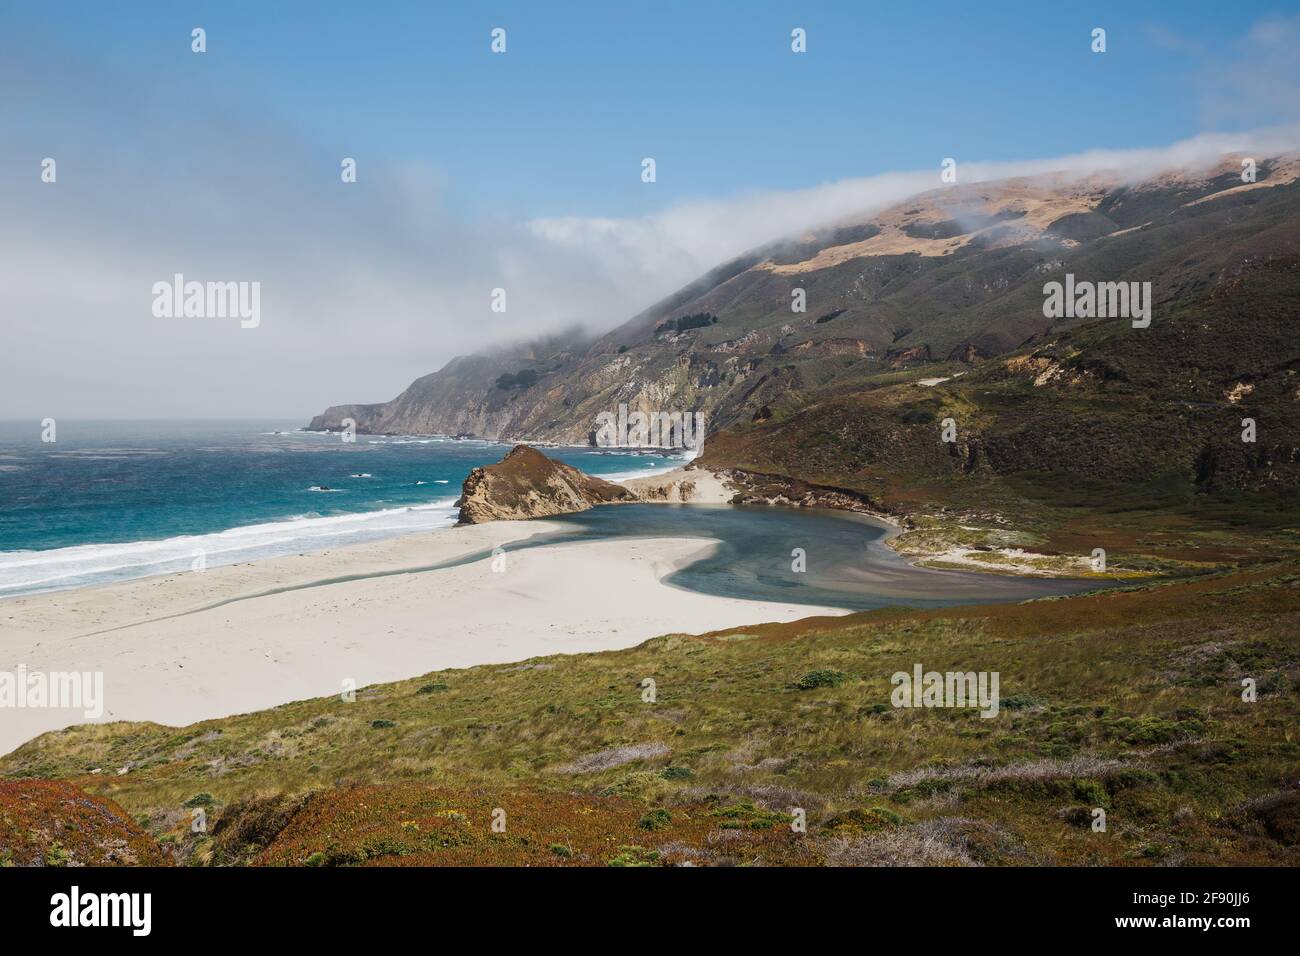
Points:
(52, 823)
(1098, 436)
(1127, 701)
(951, 276)
(437, 403)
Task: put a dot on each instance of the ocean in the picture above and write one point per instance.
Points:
(112, 500)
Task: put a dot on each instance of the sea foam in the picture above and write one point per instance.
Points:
(30, 572)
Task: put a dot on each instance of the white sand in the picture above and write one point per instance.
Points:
(273, 649)
(702, 487)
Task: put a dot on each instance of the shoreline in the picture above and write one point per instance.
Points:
(933, 548)
(187, 646)
(192, 646)
(31, 569)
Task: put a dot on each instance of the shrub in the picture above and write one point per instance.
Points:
(657, 819)
(821, 678)
(1077, 816)
(696, 320)
(677, 773)
(1091, 792)
(1017, 702)
(381, 723)
(635, 856)
(746, 816)
(526, 378)
(1147, 730)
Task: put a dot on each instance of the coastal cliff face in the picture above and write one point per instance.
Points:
(475, 395)
(942, 283)
(527, 484)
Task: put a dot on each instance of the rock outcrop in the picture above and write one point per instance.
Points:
(527, 484)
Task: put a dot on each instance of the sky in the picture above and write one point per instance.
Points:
(519, 170)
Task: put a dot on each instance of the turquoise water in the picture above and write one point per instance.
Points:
(114, 500)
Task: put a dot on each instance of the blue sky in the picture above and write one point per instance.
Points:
(558, 125)
(522, 171)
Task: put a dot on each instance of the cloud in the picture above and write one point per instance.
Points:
(1247, 81)
(364, 286)
(1261, 78)
(680, 243)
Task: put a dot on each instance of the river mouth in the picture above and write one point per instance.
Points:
(846, 562)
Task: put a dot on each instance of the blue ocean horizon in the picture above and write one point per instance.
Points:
(113, 500)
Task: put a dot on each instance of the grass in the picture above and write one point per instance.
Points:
(1128, 701)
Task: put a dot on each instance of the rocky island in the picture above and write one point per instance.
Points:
(527, 484)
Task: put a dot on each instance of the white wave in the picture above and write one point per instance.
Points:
(620, 476)
(28, 572)
(642, 472)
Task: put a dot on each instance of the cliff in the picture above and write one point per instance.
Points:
(527, 484)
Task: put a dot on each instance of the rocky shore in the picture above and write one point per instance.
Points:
(527, 484)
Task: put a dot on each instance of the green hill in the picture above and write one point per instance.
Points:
(1126, 701)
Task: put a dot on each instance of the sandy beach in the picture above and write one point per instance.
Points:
(169, 656)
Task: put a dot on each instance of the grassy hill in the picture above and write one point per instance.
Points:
(1127, 701)
(1100, 435)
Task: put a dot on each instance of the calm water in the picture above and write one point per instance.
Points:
(115, 500)
(847, 563)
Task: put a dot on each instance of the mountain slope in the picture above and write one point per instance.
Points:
(952, 275)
